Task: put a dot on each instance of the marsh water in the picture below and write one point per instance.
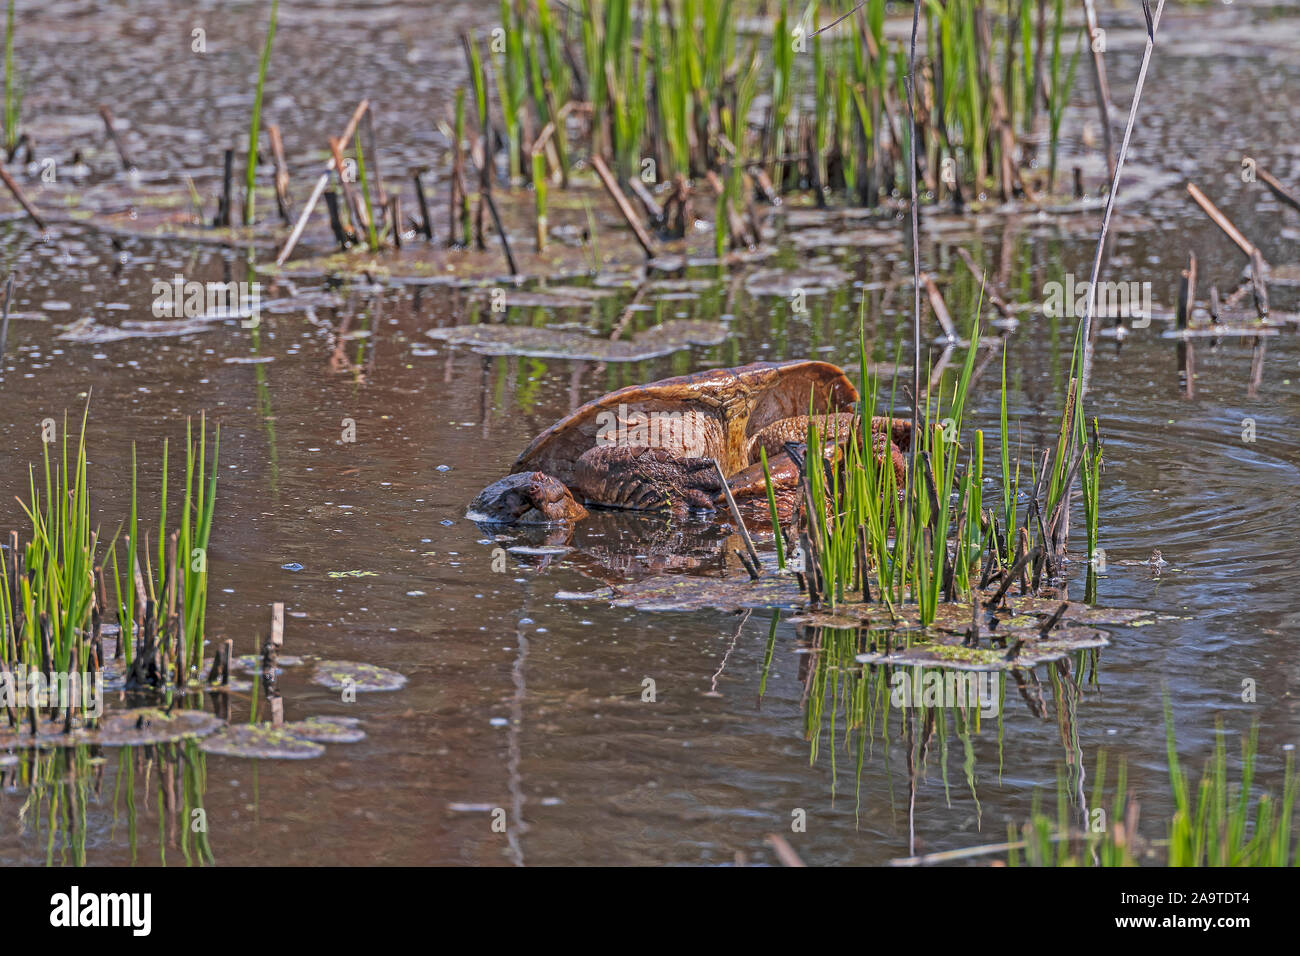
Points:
(518, 700)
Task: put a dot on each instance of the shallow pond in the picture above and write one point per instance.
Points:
(518, 700)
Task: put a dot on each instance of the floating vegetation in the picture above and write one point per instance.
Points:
(600, 594)
(87, 331)
(149, 725)
(950, 650)
(351, 675)
(252, 663)
(567, 297)
(127, 728)
(327, 730)
(1014, 636)
(785, 283)
(261, 741)
(672, 336)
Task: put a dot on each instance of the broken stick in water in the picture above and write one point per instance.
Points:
(939, 307)
(372, 149)
(4, 322)
(624, 207)
(22, 200)
(223, 217)
(740, 524)
(107, 115)
(281, 174)
(505, 240)
(647, 200)
(1224, 223)
(1277, 189)
(426, 225)
(321, 183)
(991, 290)
(784, 851)
(356, 210)
(1100, 86)
(1186, 300)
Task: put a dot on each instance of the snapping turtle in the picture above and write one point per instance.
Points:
(650, 447)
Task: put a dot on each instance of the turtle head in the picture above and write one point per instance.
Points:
(526, 498)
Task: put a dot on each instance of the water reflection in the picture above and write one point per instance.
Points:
(71, 800)
(930, 712)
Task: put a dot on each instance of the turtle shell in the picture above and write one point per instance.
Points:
(712, 414)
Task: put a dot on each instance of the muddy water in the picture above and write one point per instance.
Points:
(521, 701)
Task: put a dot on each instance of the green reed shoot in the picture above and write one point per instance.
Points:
(624, 74)
(1214, 826)
(926, 545)
(56, 579)
(550, 91)
(478, 80)
(1216, 823)
(1026, 84)
(592, 237)
(465, 220)
(13, 94)
(372, 234)
(782, 82)
(511, 81)
(1062, 80)
(195, 532)
(672, 95)
(658, 77)
(771, 506)
(539, 197)
(57, 583)
(1010, 485)
(821, 108)
(256, 119)
(1090, 475)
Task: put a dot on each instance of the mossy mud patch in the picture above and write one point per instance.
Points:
(261, 741)
(1022, 632)
(150, 725)
(534, 342)
(351, 675)
(127, 728)
(144, 726)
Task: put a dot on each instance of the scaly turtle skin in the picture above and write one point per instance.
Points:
(652, 447)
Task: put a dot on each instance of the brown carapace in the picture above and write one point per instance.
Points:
(653, 447)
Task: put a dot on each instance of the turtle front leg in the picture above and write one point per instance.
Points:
(526, 497)
(640, 478)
